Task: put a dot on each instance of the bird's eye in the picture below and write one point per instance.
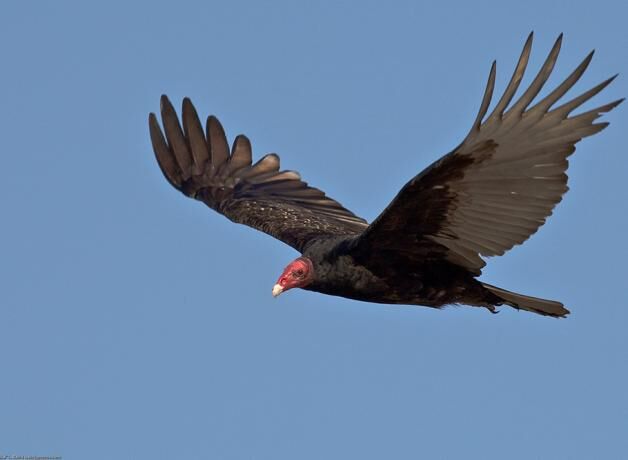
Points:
(298, 272)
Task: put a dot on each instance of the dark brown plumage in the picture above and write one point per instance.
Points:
(489, 194)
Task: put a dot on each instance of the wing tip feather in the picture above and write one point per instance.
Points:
(164, 102)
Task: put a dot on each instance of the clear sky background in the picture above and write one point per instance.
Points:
(137, 323)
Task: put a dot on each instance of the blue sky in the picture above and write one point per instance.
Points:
(136, 323)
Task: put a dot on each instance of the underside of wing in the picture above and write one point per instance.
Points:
(499, 186)
(259, 195)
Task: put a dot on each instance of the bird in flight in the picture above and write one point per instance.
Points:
(427, 247)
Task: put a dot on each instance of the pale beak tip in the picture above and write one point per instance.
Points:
(277, 289)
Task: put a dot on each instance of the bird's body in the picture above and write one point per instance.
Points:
(341, 271)
(427, 247)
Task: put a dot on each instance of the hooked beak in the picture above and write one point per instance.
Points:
(277, 289)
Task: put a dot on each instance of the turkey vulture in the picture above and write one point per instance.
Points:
(427, 247)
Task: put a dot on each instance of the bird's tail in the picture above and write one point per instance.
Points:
(524, 302)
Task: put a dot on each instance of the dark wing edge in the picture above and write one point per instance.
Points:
(260, 195)
(501, 183)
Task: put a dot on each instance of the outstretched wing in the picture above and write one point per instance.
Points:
(498, 187)
(259, 195)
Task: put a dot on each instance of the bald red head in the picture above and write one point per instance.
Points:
(298, 273)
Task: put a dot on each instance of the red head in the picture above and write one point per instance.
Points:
(298, 273)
